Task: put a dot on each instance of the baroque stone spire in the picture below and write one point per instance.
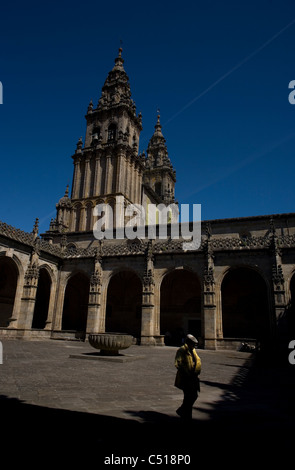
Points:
(157, 153)
(116, 89)
(160, 175)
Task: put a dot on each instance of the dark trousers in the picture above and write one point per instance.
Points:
(190, 395)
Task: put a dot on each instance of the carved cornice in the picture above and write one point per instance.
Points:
(139, 247)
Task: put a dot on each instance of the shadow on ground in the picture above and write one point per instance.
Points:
(255, 417)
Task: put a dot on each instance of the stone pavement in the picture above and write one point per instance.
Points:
(54, 401)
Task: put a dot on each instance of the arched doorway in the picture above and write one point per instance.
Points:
(74, 317)
(245, 306)
(42, 299)
(124, 300)
(180, 306)
(8, 284)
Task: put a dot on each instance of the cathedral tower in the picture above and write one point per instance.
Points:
(108, 165)
(159, 175)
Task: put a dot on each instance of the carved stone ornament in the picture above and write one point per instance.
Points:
(129, 247)
(95, 279)
(31, 275)
(209, 277)
(277, 275)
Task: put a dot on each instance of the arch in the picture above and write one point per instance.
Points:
(112, 132)
(42, 299)
(180, 305)
(96, 130)
(158, 188)
(124, 300)
(9, 275)
(245, 304)
(76, 298)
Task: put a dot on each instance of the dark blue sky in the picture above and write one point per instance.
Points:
(218, 70)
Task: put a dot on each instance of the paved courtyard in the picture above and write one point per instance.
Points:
(54, 394)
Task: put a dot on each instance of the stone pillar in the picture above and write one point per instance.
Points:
(209, 301)
(86, 184)
(133, 181)
(118, 175)
(48, 323)
(77, 179)
(29, 296)
(107, 176)
(147, 311)
(148, 336)
(95, 322)
(278, 290)
(82, 222)
(59, 302)
(209, 309)
(278, 282)
(97, 176)
(128, 177)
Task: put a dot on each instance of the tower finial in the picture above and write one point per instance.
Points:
(158, 126)
(36, 228)
(119, 60)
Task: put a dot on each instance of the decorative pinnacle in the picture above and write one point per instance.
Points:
(90, 107)
(119, 60)
(158, 127)
(36, 227)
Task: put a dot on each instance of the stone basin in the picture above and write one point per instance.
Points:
(110, 343)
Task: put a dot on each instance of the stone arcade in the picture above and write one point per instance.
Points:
(64, 283)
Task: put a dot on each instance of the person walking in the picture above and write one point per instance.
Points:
(188, 365)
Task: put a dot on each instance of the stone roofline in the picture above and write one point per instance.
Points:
(64, 249)
(251, 217)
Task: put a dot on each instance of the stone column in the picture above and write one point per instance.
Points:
(133, 183)
(95, 322)
(278, 290)
(86, 184)
(59, 301)
(139, 186)
(137, 201)
(28, 299)
(82, 222)
(148, 336)
(209, 301)
(97, 177)
(278, 281)
(107, 176)
(122, 188)
(209, 308)
(48, 323)
(118, 176)
(127, 177)
(76, 179)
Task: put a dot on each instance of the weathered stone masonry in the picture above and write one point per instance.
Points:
(239, 284)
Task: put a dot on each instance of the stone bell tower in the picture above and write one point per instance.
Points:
(159, 175)
(108, 164)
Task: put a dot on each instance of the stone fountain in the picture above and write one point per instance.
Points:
(110, 343)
